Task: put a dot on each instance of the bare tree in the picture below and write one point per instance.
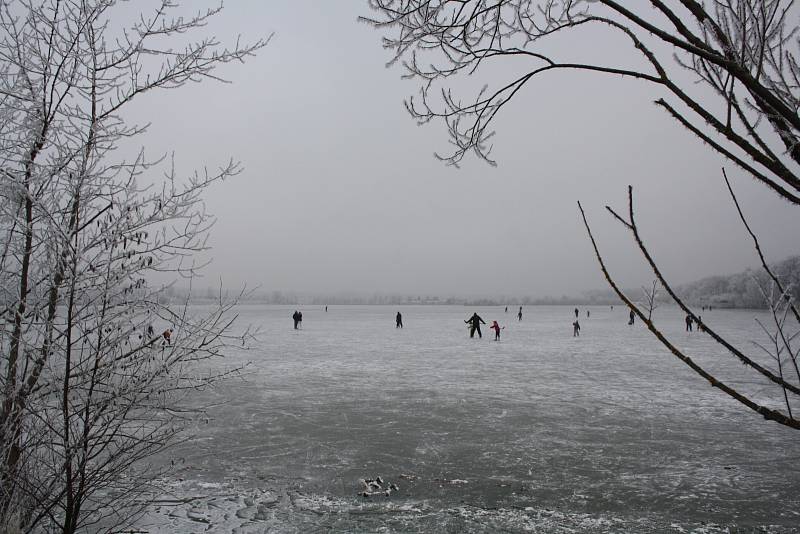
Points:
(743, 53)
(95, 362)
(780, 348)
(650, 299)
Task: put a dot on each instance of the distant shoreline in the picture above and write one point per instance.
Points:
(465, 303)
(738, 291)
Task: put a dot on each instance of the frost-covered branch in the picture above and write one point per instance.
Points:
(744, 51)
(780, 379)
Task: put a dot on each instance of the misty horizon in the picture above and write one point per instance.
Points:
(340, 191)
(288, 296)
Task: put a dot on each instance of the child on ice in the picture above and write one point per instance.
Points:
(496, 327)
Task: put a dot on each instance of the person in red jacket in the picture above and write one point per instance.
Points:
(496, 328)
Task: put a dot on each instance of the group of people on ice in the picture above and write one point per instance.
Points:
(474, 323)
(690, 322)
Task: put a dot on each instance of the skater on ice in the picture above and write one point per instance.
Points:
(474, 323)
(496, 327)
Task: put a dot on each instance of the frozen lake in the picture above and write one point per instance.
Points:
(540, 432)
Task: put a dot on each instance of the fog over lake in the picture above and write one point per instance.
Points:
(341, 191)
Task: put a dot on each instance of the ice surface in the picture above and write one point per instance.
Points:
(539, 432)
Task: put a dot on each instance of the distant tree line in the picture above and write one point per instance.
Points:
(739, 290)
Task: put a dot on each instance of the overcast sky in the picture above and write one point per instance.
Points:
(341, 191)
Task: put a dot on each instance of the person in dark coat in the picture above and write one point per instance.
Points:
(474, 323)
(399, 320)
